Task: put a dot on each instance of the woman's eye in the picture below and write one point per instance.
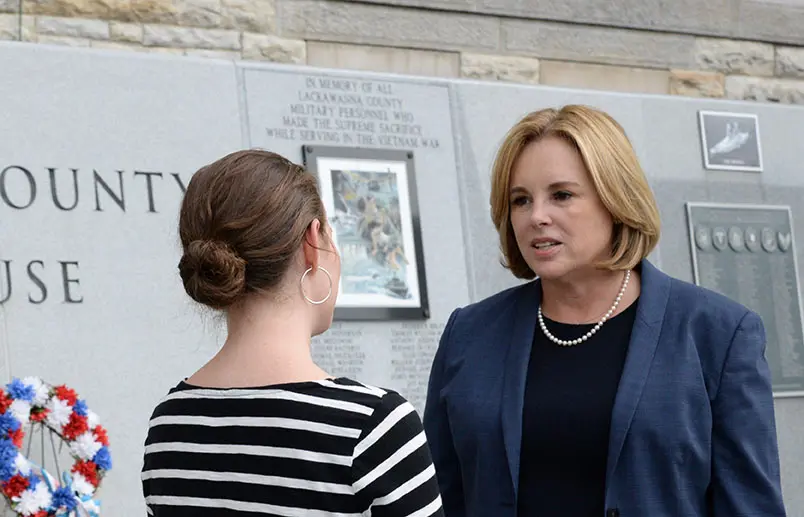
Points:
(519, 200)
(562, 195)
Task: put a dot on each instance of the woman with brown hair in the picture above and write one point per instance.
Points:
(261, 429)
(603, 387)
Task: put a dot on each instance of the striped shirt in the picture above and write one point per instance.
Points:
(330, 448)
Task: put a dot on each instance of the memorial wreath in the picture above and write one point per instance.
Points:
(29, 489)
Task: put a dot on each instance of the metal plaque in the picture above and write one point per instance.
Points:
(748, 253)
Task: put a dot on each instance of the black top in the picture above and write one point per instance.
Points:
(331, 447)
(569, 397)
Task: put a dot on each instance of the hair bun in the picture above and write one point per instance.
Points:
(212, 273)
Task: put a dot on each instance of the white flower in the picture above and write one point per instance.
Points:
(21, 411)
(81, 485)
(91, 506)
(41, 392)
(31, 501)
(59, 414)
(22, 465)
(92, 419)
(85, 446)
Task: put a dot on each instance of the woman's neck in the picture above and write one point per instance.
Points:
(587, 298)
(266, 344)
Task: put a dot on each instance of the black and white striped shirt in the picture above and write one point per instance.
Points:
(330, 448)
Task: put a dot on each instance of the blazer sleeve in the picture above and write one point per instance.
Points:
(745, 457)
(439, 434)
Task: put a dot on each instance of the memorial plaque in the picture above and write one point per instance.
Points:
(747, 252)
(730, 141)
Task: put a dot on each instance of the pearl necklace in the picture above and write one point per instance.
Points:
(592, 332)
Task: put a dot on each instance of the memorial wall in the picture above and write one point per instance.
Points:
(98, 147)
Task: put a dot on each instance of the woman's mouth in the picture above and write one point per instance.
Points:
(544, 245)
(545, 248)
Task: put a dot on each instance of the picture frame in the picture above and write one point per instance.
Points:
(370, 196)
(730, 141)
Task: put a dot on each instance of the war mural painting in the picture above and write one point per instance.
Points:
(371, 204)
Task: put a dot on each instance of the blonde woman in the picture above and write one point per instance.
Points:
(603, 387)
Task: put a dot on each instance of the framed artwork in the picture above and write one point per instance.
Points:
(730, 141)
(372, 207)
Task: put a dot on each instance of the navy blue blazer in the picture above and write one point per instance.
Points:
(693, 430)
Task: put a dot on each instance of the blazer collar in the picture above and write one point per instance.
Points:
(655, 289)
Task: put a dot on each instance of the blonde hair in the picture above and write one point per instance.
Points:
(613, 167)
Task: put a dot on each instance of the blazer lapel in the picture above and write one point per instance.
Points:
(516, 369)
(655, 291)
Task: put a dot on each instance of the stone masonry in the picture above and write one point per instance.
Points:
(738, 49)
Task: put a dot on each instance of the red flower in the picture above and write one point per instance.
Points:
(39, 414)
(66, 394)
(88, 469)
(100, 435)
(5, 401)
(40, 513)
(75, 427)
(15, 486)
(17, 437)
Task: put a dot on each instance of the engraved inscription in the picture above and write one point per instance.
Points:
(351, 112)
(747, 253)
(412, 349)
(338, 352)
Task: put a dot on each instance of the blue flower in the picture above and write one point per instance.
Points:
(8, 422)
(103, 459)
(80, 408)
(64, 498)
(8, 459)
(21, 391)
(33, 480)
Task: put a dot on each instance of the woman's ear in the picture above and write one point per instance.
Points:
(312, 244)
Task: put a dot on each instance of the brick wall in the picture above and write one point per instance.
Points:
(741, 49)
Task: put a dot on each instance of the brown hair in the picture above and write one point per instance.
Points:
(242, 221)
(613, 167)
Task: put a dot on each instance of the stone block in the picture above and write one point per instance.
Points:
(513, 69)
(597, 44)
(784, 91)
(134, 47)
(72, 27)
(264, 47)
(150, 11)
(693, 83)
(197, 13)
(187, 37)
(789, 62)
(29, 28)
(604, 77)
(212, 54)
(383, 59)
(249, 15)
(252, 15)
(734, 57)
(127, 46)
(66, 41)
(126, 32)
(9, 27)
(359, 23)
(9, 6)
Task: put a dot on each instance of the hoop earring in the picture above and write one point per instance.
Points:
(329, 277)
